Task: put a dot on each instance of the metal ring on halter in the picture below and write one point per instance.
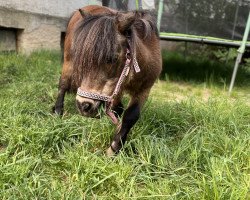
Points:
(128, 57)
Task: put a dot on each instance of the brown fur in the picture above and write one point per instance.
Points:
(95, 46)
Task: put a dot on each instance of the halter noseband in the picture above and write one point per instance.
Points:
(109, 99)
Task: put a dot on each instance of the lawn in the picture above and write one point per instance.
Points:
(191, 142)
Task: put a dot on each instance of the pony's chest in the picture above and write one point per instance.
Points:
(134, 81)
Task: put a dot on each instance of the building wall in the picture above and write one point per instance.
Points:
(58, 8)
(38, 24)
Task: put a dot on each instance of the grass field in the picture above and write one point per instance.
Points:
(191, 142)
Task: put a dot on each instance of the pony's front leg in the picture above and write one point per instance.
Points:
(130, 117)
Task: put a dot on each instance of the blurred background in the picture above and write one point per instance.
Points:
(189, 30)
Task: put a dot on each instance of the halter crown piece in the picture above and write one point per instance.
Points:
(109, 99)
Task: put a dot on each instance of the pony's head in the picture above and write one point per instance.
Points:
(100, 44)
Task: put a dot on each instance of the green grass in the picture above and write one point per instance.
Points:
(191, 142)
(199, 69)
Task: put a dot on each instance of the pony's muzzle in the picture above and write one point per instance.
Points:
(87, 107)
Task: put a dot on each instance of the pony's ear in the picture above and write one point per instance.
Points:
(124, 21)
(83, 13)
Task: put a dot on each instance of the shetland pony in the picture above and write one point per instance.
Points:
(108, 53)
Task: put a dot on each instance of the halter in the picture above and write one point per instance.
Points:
(109, 99)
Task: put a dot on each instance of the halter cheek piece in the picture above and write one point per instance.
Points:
(109, 99)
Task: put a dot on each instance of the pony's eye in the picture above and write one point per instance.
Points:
(112, 59)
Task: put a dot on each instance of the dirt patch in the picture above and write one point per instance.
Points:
(2, 147)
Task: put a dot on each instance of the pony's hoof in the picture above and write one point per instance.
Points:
(57, 111)
(110, 152)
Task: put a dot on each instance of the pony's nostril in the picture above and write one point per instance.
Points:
(86, 106)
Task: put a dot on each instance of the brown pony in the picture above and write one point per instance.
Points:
(103, 51)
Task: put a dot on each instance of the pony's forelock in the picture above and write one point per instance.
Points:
(95, 40)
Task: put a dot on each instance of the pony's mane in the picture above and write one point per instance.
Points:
(95, 42)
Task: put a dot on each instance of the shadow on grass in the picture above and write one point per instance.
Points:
(200, 69)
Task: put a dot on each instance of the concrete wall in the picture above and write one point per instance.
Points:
(38, 24)
(58, 8)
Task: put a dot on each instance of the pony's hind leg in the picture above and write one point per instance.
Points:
(64, 86)
(118, 107)
(58, 107)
